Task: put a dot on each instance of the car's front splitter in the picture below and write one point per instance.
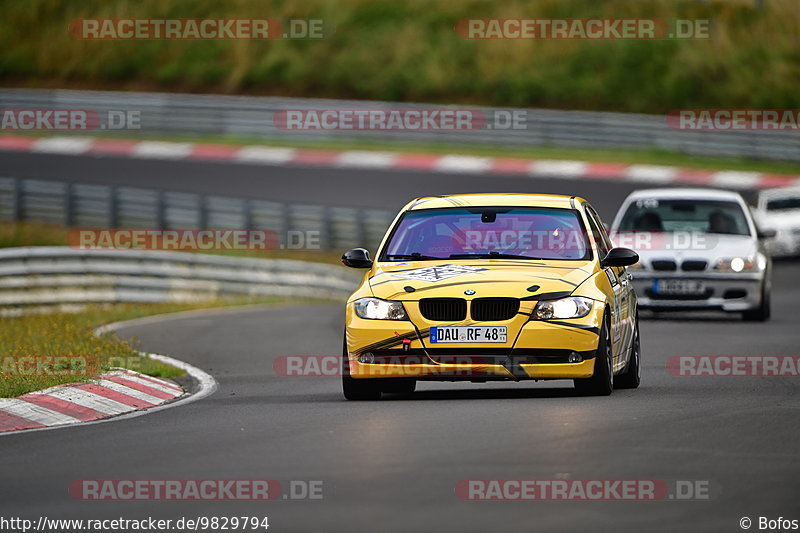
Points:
(457, 372)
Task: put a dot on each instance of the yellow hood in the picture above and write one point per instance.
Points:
(487, 277)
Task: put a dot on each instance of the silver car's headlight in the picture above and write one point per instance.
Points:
(377, 309)
(740, 264)
(572, 307)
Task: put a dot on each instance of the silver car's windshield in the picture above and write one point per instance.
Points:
(698, 216)
(784, 204)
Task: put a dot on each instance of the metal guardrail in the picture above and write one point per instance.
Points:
(54, 275)
(246, 116)
(103, 206)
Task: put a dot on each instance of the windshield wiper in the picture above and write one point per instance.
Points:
(491, 255)
(415, 256)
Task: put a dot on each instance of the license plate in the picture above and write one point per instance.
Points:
(468, 334)
(678, 286)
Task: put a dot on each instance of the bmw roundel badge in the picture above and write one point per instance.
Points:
(469, 292)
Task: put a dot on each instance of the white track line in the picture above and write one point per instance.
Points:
(162, 150)
(363, 159)
(735, 179)
(463, 163)
(264, 154)
(651, 173)
(62, 145)
(560, 169)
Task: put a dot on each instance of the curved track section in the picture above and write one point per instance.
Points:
(389, 189)
(393, 465)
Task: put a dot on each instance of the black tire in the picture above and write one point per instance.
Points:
(763, 311)
(398, 385)
(357, 389)
(602, 381)
(631, 377)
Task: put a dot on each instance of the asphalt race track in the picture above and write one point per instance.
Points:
(393, 465)
(388, 189)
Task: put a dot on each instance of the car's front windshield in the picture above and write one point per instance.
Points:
(488, 232)
(787, 203)
(675, 215)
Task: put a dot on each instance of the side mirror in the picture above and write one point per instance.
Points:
(357, 258)
(766, 233)
(620, 257)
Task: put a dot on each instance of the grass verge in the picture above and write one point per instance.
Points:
(40, 351)
(409, 51)
(26, 342)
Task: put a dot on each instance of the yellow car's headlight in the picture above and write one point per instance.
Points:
(572, 307)
(377, 309)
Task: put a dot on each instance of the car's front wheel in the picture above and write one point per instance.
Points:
(357, 389)
(631, 377)
(602, 381)
(763, 311)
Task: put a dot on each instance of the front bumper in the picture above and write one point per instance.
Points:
(535, 350)
(726, 292)
(473, 372)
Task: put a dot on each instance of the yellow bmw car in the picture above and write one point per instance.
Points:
(481, 287)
